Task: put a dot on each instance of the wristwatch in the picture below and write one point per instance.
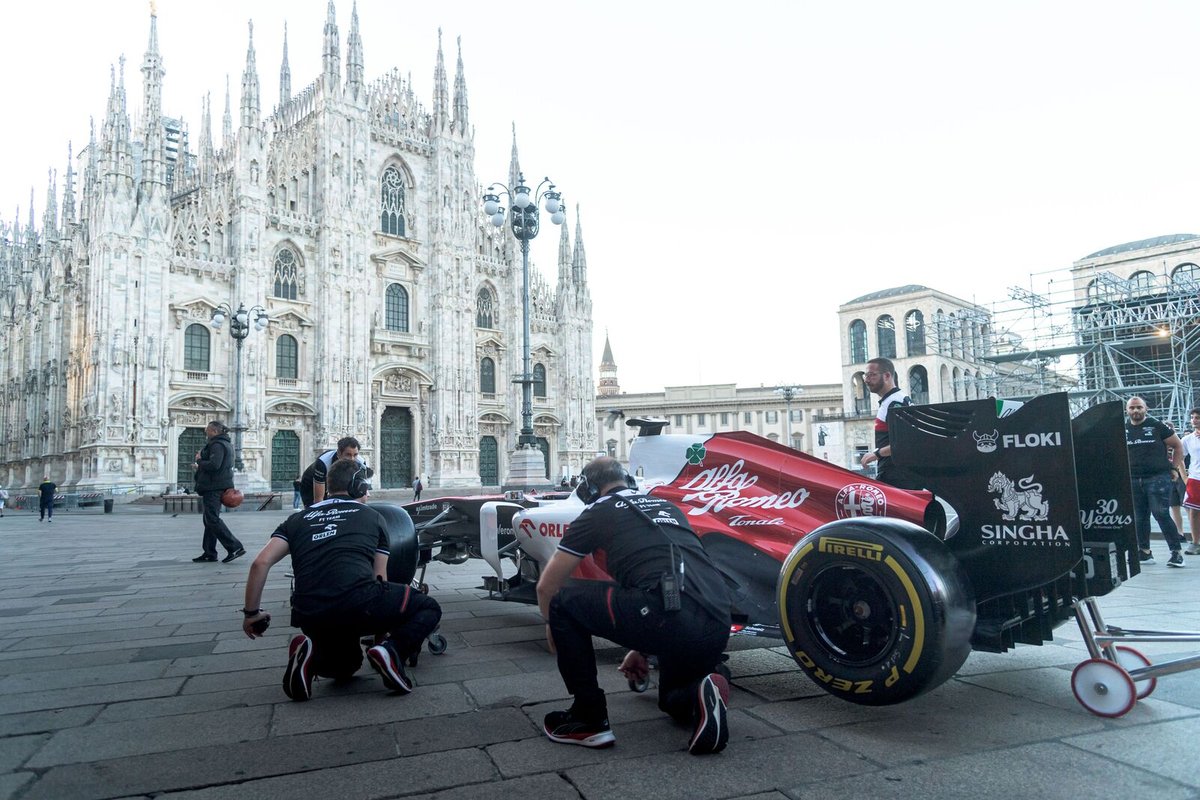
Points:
(248, 613)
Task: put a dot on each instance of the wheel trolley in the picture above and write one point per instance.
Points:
(1116, 676)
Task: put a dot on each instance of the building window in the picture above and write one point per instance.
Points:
(797, 414)
(858, 342)
(287, 274)
(679, 420)
(1141, 283)
(748, 417)
(724, 417)
(701, 420)
(611, 446)
(1184, 277)
(885, 332)
(918, 385)
(396, 310)
(196, 348)
(914, 333)
(772, 417)
(391, 198)
(287, 357)
(485, 309)
(539, 381)
(487, 376)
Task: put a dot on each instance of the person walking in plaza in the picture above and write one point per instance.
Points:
(214, 474)
(339, 549)
(417, 487)
(46, 490)
(1191, 498)
(669, 600)
(880, 378)
(1148, 441)
(3, 500)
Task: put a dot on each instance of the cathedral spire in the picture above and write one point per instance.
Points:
(564, 256)
(331, 59)
(154, 168)
(285, 73)
(117, 150)
(460, 94)
(579, 262)
(514, 165)
(206, 143)
(227, 120)
(250, 104)
(68, 204)
(50, 216)
(354, 54)
(441, 93)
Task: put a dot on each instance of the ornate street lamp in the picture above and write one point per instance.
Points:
(239, 329)
(524, 223)
(789, 393)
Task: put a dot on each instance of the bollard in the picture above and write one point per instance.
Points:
(108, 506)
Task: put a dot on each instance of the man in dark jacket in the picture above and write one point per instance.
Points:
(46, 490)
(214, 474)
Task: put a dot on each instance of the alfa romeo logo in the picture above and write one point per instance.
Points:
(860, 500)
(696, 454)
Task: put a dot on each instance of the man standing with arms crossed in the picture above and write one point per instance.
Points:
(880, 378)
(1148, 440)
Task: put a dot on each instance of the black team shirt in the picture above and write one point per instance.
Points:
(1147, 452)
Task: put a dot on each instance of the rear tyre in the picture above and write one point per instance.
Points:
(875, 610)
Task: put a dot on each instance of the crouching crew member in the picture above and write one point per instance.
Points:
(312, 480)
(668, 600)
(339, 550)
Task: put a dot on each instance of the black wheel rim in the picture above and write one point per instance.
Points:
(852, 614)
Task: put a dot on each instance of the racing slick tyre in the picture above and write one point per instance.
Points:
(1131, 659)
(875, 610)
(1103, 688)
(402, 541)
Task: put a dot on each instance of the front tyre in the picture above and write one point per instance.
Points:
(875, 610)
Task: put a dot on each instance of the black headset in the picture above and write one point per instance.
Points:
(589, 492)
(359, 486)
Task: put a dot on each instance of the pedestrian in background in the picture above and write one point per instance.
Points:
(417, 487)
(1191, 500)
(46, 490)
(3, 499)
(214, 474)
(1149, 441)
(1178, 485)
(296, 498)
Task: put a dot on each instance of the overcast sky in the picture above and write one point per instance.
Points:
(743, 168)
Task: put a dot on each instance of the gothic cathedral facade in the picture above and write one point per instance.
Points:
(350, 215)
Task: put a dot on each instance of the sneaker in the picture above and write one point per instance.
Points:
(712, 728)
(234, 554)
(564, 727)
(1192, 549)
(1176, 559)
(390, 667)
(202, 559)
(298, 678)
(1146, 557)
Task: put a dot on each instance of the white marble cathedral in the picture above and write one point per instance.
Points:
(351, 214)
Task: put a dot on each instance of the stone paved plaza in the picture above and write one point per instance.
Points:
(124, 673)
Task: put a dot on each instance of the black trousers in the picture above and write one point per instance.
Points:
(215, 528)
(688, 642)
(45, 508)
(406, 616)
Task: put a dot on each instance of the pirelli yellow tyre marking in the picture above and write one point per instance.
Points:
(780, 601)
(918, 614)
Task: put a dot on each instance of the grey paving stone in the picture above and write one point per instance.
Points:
(57, 661)
(50, 720)
(16, 750)
(1049, 770)
(531, 687)
(154, 735)
(535, 632)
(80, 676)
(329, 713)
(110, 693)
(542, 787)
(1167, 748)
(762, 796)
(13, 784)
(789, 685)
(190, 704)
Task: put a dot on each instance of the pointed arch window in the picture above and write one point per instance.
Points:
(391, 200)
(486, 310)
(287, 357)
(487, 376)
(539, 380)
(196, 340)
(396, 308)
(287, 274)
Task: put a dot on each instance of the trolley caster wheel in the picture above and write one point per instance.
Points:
(640, 685)
(1132, 659)
(436, 644)
(1103, 688)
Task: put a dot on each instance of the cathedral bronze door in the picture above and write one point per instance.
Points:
(191, 441)
(544, 445)
(489, 461)
(395, 448)
(285, 460)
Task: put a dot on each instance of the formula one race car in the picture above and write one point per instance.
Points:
(879, 593)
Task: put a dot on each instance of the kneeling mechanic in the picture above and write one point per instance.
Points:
(339, 550)
(669, 600)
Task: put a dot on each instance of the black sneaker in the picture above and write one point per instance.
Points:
(204, 559)
(565, 728)
(1176, 559)
(298, 678)
(390, 667)
(1146, 557)
(234, 554)
(712, 726)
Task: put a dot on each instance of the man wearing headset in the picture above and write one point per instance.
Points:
(668, 600)
(339, 550)
(312, 480)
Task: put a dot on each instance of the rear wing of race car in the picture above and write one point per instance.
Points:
(1044, 502)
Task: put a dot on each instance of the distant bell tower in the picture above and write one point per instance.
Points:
(608, 385)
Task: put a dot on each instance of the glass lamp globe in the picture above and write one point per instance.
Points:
(552, 204)
(498, 219)
(490, 207)
(521, 199)
(558, 217)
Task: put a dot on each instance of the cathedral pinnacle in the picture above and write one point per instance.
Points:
(579, 263)
(441, 92)
(514, 165)
(331, 59)
(250, 103)
(68, 204)
(227, 120)
(354, 54)
(564, 256)
(285, 73)
(460, 94)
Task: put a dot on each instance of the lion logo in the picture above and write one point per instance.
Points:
(1020, 501)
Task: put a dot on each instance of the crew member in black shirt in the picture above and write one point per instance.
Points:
(668, 600)
(1148, 440)
(339, 550)
(880, 378)
(312, 480)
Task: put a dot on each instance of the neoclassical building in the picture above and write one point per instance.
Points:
(350, 214)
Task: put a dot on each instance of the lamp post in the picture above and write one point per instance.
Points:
(524, 203)
(789, 393)
(239, 329)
